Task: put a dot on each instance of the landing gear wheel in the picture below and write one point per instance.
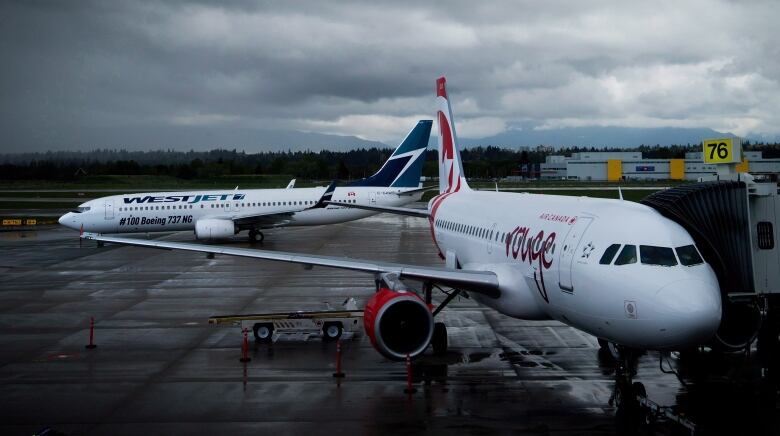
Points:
(253, 235)
(439, 340)
(263, 332)
(331, 331)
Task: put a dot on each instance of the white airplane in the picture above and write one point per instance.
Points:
(224, 213)
(615, 269)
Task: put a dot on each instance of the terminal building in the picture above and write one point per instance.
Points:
(613, 166)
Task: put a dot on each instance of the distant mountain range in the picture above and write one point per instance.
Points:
(184, 138)
(599, 137)
(256, 140)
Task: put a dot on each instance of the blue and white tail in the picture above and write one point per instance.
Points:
(404, 168)
(451, 176)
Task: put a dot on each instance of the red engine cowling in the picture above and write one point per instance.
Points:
(398, 323)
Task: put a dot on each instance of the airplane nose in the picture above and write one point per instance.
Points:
(68, 221)
(693, 310)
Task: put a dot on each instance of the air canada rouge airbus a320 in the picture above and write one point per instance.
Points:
(612, 268)
(221, 214)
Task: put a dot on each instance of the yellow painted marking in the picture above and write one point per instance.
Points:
(677, 169)
(614, 170)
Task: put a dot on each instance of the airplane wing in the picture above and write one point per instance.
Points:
(278, 219)
(408, 211)
(481, 282)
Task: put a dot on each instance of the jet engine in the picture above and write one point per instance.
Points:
(398, 323)
(214, 229)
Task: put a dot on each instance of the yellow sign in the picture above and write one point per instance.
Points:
(12, 222)
(722, 150)
(31, 222)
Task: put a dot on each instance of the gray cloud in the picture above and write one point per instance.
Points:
(79, 72)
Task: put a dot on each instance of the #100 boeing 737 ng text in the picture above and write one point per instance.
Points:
(222, 214)
(615, 269)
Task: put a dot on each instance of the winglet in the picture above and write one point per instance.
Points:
(620, 193)
(326, 196)
(291, 184)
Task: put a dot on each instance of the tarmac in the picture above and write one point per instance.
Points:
(160, 368)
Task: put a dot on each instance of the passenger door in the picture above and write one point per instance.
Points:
(109, 210)
(568, 251)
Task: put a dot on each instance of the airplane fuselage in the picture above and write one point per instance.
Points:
(176, 211)
(547, 252)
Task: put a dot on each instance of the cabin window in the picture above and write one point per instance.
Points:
(627, 255)
(609, 254)
(689, 255)
(652, 255)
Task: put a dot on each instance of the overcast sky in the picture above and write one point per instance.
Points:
(77, 72)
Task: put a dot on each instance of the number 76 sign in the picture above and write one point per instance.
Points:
(723, 150)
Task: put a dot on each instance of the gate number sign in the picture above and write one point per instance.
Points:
(723, 150)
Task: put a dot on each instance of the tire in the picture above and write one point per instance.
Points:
(264, 332)
(331, 331)
(253, 236)
(439, 340)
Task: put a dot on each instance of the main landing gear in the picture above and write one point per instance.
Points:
(439, 341)
(254, 234)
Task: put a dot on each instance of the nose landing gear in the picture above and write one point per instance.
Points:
(633, 408)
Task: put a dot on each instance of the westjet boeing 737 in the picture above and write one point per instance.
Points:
(616, 269)
(222, 214)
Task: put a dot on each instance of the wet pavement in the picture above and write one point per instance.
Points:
(159, 368)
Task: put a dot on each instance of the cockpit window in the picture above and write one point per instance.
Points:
(609, 254)
(82, 209)
(689, 255)
(627, 255)
(652, 255)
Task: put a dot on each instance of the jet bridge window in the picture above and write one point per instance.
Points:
(652, 255)
(609, 254)
(689, 255)
(627, 255)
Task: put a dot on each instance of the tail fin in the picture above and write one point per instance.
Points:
(451, 176)
(404, 167)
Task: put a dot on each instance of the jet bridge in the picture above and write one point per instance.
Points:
(732, 218)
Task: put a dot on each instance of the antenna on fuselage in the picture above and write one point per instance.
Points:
(620, 193)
